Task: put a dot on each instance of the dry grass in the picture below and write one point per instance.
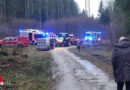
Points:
(85, 54)
(33, 75)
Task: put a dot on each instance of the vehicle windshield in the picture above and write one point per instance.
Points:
(63, 35)
(40, 36)
(6, 39)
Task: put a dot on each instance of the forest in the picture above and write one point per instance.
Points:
(16, 14)
(64, 16)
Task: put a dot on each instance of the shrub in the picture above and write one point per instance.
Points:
(3, 53)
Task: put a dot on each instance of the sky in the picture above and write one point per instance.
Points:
(94, 6)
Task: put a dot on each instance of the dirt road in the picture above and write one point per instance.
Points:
(73, 73)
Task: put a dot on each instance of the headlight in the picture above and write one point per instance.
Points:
(99, 39)
(86, 38)
(90, 38)
(60, 40)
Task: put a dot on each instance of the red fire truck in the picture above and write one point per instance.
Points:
(73, 39)
(32, 34)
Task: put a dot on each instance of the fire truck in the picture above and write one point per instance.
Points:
(93, 38)
(32, 34)
(14, 41)
(73, 39)
(63, 39)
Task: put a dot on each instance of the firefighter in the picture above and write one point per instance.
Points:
(78, 45)
(121, 63)
(52, 43)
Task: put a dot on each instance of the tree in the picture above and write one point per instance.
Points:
(124, 6)
(101, 9)
(84, 13)
(33, 11)
(104, 13)
(105, 18)
(40, 10)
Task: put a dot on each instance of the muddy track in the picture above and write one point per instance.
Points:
(72, 73)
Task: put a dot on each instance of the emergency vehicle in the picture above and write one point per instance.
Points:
(43, 44)
(63, 39)
(31, 34)
(73, 39)
(14, 41)
(93, 38)
(46, 42)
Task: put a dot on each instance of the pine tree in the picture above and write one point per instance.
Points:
(124, 6)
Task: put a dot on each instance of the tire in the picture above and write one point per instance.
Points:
(20, 46)
(0, 45)
(48, 49)
(33, 43)
(56, 45)
(52, 47)
(64, 45)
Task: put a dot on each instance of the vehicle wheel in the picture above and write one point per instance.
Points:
(69, 44)
(0, 45)
(33, 43)
(20, 46)
(64, 45)
(52, 47)
(48, 49)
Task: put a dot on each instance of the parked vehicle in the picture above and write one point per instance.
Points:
(43, 44)
(73, 39)
(31, 34)
(63, 40)
(14, 41)
(47, 42)
(93, 38)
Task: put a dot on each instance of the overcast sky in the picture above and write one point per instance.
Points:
(94, 4)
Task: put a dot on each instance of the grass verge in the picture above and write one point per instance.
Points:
(30, 71)
(99, 57)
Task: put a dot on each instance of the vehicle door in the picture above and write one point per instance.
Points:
(6, 41)
(30, 36)
(13, 42)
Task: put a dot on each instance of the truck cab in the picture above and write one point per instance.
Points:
(63, 39)
(73, 39)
